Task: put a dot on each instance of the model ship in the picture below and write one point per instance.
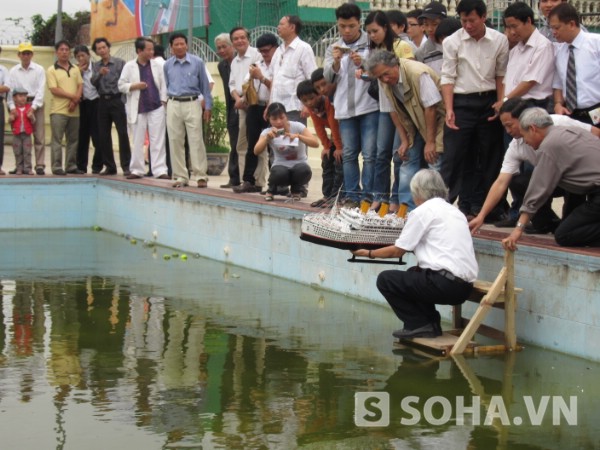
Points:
(351, 229)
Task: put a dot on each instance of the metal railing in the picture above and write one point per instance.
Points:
(198, 48)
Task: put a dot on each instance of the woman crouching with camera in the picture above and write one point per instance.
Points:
(288, 141)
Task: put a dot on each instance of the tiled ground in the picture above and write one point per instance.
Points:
(487, 232)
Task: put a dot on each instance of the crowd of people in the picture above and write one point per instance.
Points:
(406, 92)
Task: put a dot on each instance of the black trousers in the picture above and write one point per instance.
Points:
(233, 129)
(545, 215)
(112, 110)
(473, 153)
(582, 226)
(255, 124)
(413, 294)
(2, 121)
(333, 174)
(88, 129)
(295, 177)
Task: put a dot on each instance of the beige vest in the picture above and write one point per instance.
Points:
(412, 115)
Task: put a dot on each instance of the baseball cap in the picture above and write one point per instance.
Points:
(25, 47)
(434, 10)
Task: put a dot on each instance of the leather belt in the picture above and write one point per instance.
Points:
(450, 276)
(478, 94)
(184, 99)
(109, 96)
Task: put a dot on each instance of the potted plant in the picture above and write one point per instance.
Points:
(215, 133)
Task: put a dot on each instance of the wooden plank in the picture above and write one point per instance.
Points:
(510, 334)
(438, 345)
(482, 310)
(484, 286)
(457, 316)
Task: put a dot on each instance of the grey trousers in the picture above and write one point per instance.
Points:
(68, 127)
(22, 149)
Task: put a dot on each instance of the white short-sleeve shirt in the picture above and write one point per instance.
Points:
(438, 234)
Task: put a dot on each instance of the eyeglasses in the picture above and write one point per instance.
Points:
(265, 50)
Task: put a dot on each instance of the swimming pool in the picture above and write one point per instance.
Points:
(107, 344)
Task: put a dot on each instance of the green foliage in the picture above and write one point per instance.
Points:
(216, 130)
(43, 30)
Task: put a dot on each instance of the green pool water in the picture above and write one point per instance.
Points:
(105, 344)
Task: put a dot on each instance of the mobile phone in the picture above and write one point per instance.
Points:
(343, 49)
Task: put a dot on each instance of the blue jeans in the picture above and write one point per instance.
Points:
(388, 142)
(408, 169)
(359, 134)
(405, 170)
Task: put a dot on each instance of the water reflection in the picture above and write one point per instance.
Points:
(236, 360)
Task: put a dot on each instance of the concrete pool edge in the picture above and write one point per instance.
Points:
(559, 308)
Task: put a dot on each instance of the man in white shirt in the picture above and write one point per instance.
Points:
(143, 82)
(31, 77)
(356, 111)
(246, 55)
(438, 235)
(88, 115)
(531, 62)
(3, 90)
(515, 177)
(585, 47)
(293, 62)
(416, 29)
(256, 168)
(473, 69)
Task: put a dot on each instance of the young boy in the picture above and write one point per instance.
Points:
(431, 53)
(22, 120)
(322, 114)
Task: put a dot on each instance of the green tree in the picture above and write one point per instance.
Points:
(43, 30)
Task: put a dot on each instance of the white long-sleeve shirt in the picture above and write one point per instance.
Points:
(291, 65)
(32, 79)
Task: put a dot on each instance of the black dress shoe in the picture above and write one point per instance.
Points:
(96, 171)
(428, 330)
(494, 217)
(40, 171)
(229, 185)
(246, 187)
(76, 172)
(127, 172)
(506, 223)
(59, 172)
(545, 228)
(106, 172)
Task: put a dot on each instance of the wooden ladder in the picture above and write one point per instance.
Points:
(500, 293)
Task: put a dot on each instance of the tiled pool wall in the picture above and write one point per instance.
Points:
(558, 309)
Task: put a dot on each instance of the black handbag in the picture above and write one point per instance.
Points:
(373, 90)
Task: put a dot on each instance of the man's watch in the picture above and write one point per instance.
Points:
(504, 99)
(520, 225)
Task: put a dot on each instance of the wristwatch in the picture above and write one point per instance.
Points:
(504, 99)
(520, 225)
